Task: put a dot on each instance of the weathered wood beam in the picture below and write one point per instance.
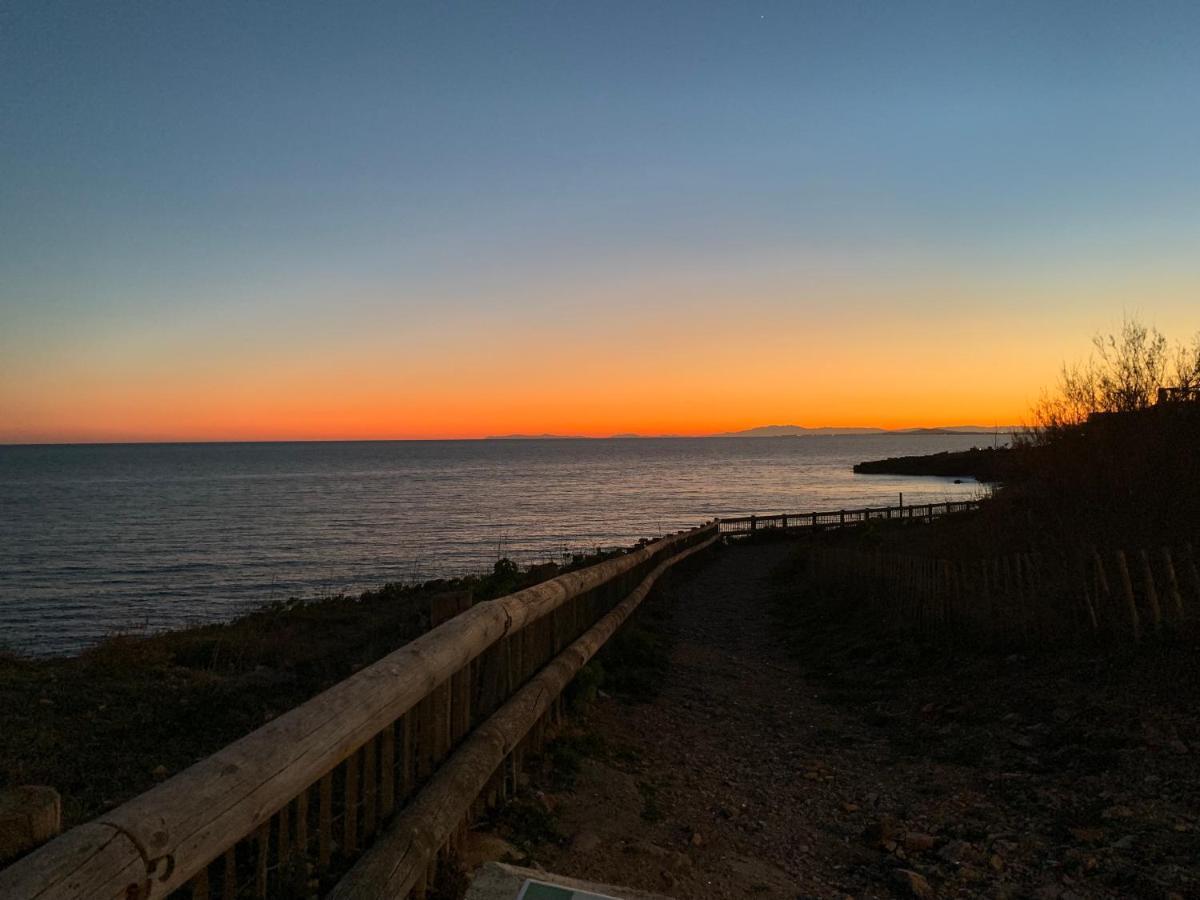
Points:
(394, 865)
(170, 832)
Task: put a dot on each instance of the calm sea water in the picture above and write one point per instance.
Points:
(99, 539)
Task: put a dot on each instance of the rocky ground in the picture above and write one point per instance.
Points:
(790, 749)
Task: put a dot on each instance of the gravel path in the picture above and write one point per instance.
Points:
(877, 769)
(735, 757)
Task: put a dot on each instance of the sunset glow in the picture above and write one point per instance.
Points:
(421, 224)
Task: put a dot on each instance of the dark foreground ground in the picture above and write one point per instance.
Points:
(106, 725)
(750, 738)
(789, 749)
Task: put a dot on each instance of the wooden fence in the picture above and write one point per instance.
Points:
(840, 518)
(1022, 596)
(397, 756)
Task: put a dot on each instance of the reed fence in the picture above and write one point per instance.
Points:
(1031, 596)
(365, 786)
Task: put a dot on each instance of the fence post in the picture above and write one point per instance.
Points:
(753, 522)
(1195, 575)
(948, 589)
(1172, 583)
(1087, 596)
(1151, 591)
(1019, 587)
(985, 594)
(1034, 594)
(1127, 585)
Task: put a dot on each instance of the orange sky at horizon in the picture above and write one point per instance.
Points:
(166, 412)
(567, 392)
(688, 362)
(572, 219)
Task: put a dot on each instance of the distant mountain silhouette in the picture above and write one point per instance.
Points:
(800, 430)
(532, 437)
(790, 430)
(962, 429)
(776, 431)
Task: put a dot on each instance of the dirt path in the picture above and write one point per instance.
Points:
(875, 769)
(730, 782)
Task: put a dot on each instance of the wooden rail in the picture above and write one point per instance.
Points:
(841, 518)
(285, 810)
(399, 860)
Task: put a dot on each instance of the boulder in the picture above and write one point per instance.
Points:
(912, 883)
(483, 847)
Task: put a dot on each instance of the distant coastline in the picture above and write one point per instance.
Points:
(776, 431)
(763, 431)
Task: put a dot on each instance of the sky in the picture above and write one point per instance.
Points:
(407, 220)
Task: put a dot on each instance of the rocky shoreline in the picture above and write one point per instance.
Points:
(987, 464)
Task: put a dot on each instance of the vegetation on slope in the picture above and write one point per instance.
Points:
(107, 724)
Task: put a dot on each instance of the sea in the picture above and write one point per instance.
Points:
(97, 540)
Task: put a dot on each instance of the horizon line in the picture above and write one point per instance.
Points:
(814, 431)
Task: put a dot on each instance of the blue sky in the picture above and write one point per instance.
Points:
(175, 177)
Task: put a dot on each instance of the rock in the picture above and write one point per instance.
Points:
(954, 852)
(548, 802)
(883, 831)
(29, 816)
(913, 883)
(159, 772)
(483, 847)
(697, 839)
(996, 862)
(918, 842)
(586, 842)
(970, 873)
(669, 858)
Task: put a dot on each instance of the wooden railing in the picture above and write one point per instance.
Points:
(840, 518)
(396, 756)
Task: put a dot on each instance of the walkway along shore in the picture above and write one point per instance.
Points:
(797, 749)
(378, 784)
